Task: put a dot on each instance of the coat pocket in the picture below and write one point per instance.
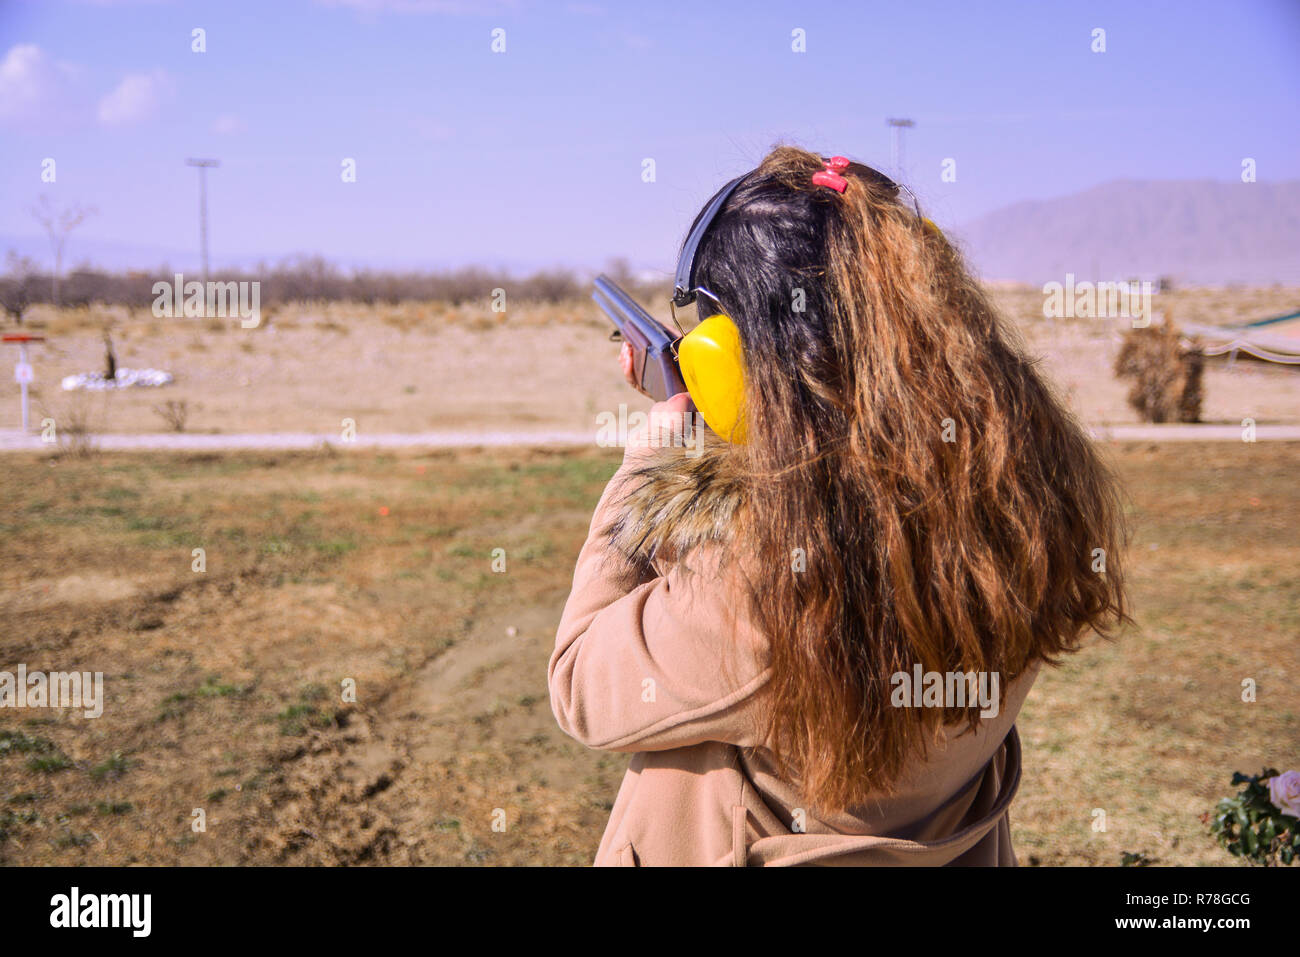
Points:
(627, 857)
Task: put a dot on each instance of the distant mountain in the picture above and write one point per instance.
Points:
(1197, 232)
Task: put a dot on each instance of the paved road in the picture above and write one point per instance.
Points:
(13, 440)
(1192, 433)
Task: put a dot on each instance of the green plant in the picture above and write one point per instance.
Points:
(1135, 859)
(11, 820)
(113, 767)
(297, 718)
(19, 743)
(1250, 825)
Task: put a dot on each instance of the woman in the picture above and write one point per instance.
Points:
(758, 623)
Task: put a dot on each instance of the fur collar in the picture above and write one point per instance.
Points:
(676, 502)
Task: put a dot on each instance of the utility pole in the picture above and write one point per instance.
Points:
(203, 165)
(896, 126)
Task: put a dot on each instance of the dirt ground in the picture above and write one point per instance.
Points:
(428, 366)
(225, 687)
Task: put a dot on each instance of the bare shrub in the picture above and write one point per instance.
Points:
(314, 280)
(174, 413)
(58, 223)
(1167, 373)
(76, 429)
(20, 287)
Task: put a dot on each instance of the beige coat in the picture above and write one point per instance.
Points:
(660, 661)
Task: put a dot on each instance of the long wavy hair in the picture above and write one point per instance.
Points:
(948, 506)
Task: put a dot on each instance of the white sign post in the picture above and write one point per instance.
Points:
(23, 373)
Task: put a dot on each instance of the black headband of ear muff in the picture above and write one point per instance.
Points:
(684, 284)
(684, 288)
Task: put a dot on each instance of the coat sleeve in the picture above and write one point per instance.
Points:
(653, 662)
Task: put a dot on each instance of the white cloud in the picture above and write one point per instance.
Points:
(228, 124)
(137, 98)
(31, 84)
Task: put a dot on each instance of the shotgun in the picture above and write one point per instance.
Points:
(654, 362)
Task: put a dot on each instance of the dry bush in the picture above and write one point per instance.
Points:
(76, 428)
(1167, 374)
(21, 287)
(174, 413)
(315, 280)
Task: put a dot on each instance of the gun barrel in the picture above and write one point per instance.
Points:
(624, 320)
(655, 366)
(631, 313)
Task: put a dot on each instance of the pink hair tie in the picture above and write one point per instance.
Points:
(830, 176)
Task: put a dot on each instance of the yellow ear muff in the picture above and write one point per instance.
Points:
(713, 367)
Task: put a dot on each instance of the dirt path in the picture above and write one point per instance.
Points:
(13, 440)
(461, 763)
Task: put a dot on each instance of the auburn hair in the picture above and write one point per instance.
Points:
(948, 506)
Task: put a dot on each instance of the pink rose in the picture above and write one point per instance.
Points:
(1284, 792)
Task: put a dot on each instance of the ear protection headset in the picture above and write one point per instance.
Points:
(711, 356)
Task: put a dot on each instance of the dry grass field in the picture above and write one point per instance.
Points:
(223, 687)
(428, 366)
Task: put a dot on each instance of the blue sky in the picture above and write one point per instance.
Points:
(533, 157)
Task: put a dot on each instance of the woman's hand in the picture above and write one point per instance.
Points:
(669, 423)
(626, 360)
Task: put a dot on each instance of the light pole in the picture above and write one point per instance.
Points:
(203, 165)
(896, 126)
